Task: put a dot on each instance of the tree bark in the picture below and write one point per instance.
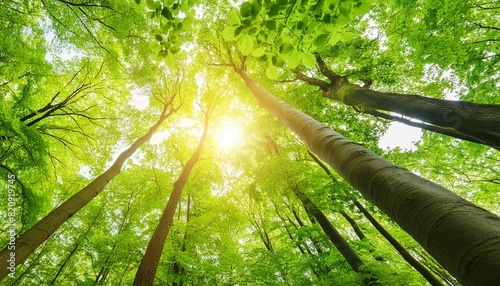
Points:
(147, 269)
(336, 238)
(340, 243)
(353, 224)
(462, 237)
(404, 253)
(36, 235)
(476, 122)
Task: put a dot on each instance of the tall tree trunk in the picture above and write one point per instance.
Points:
(353, 224)
(461, 119)
(147, 269)
(474, 122)
(36, 235)
(404, 253)
(462, 237)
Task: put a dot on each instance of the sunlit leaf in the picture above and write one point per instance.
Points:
(245, 46)
(233, 18)
(286, 48)
(272, 72)
(259, 52)
(308, 59)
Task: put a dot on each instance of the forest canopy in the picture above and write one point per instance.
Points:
(288, 142)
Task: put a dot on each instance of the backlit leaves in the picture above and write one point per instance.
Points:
(283, 26)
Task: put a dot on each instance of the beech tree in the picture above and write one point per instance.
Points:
(149, 263)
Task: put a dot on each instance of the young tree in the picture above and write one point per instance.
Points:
(335, 237)
(146, 273)
(462, 237)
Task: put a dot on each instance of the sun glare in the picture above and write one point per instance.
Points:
(228, 136)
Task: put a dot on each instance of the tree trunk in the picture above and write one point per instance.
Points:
(178, 269)
(353, 224)
(36, 235)
(404, 253)
(461, 119)
(147, 269)
(462, 237)
(335, 237)
(477, 121)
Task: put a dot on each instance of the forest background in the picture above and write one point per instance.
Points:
(125, 105)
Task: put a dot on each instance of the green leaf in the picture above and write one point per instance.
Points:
(245, 46)
(150, 4)
(344, 9)
(138, 1)
(233, 18)
(308, 59)
(277, 61)
(175, 49)
(259, 52)
(342, 20)
(334, 39)
(286, 48)
(167, 14)
(293, 61)
(246, 9)
(162, 53)
(170, 60)
(272, 72)
(274, 10)
(361, 8)
(228, 33)
(253, 31)
(158, 37)
(256, 7)
(321, 40)
(271, 25)
(345, 36)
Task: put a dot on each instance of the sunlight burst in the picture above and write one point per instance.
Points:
(228, 136)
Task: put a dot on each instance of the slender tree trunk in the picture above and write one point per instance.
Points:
(353, 224)
(36, 235)
(462, 237)
(335, 237)
(178, 269)
(404, 253)
(147, 269)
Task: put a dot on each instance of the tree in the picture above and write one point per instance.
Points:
(149, 263)
(464, 120)
(340, 243)
(425, 210)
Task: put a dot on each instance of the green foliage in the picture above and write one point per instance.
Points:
(289, 26)
(238, 194)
